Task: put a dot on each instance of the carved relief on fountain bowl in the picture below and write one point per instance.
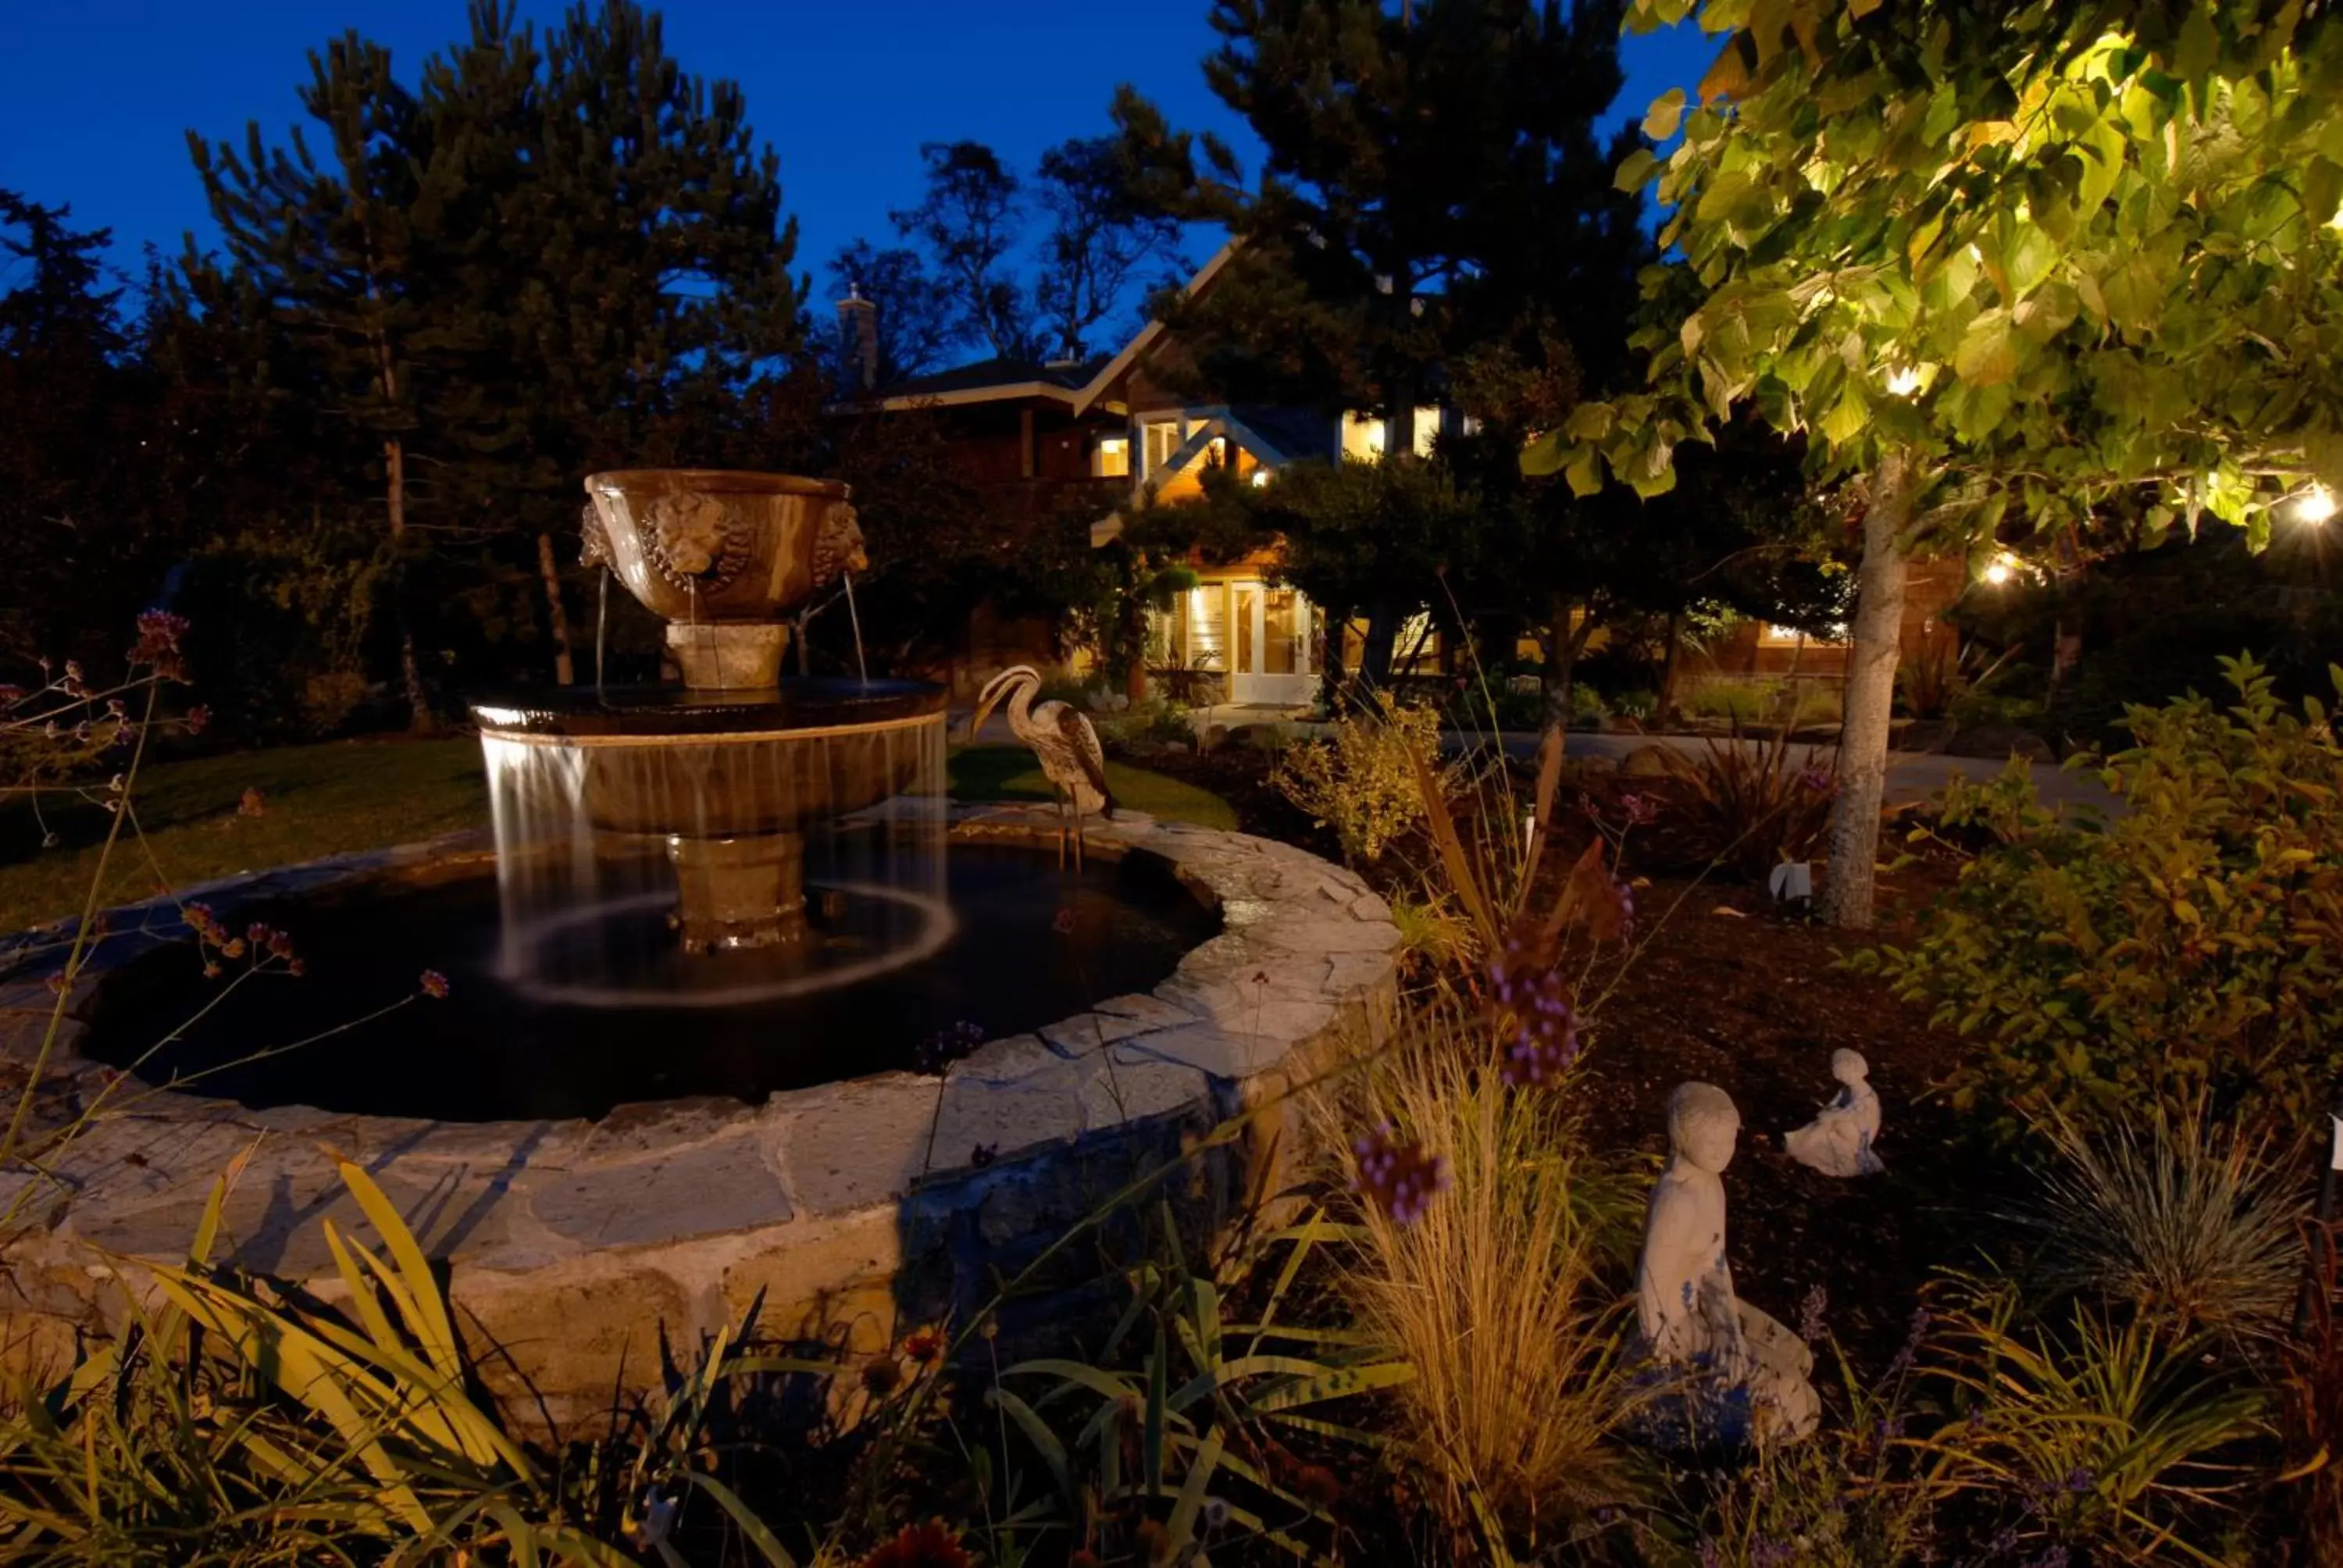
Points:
(710, 545)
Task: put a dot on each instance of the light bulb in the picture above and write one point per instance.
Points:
(1903, 380)
(2001, 568)
(1261, 478)
(2314, 506)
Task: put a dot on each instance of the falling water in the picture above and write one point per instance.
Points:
(601, 625)
(591, 831)
(855, 620)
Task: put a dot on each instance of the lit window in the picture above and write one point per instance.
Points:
(1111, 457)
(1163, 438)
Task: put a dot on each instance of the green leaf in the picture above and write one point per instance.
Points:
(1585, 472)
(1666, 113)
(1987, 355)
(1636, 169)
(2199, 45)
(1545, 455)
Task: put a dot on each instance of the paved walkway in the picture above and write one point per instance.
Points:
(1911, 775)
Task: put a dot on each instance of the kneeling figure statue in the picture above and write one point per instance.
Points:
(1738, 1373)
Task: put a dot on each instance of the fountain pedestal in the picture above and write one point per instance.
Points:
(733, 893)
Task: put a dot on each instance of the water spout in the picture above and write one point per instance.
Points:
(860, 667)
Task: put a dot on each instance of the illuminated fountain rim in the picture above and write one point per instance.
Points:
(939, 924)
(880, 1195)
(801, 707)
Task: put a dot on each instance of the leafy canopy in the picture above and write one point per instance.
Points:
(2048, 251)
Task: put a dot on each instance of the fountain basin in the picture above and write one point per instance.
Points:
(858, 1208)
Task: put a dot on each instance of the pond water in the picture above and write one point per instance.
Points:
(1024, 944)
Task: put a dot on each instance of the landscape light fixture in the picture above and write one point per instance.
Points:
(2001, 568)
(1261, 478)
(1903, 380)
(2314, 506)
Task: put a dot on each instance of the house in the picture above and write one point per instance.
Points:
(1112, 429)
(1112, 433)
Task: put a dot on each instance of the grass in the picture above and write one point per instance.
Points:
(316, 800)
(1009, 773)
(354, 794)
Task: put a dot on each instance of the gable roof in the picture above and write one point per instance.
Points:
(1078, 385)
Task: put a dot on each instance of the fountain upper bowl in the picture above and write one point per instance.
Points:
(719, 545)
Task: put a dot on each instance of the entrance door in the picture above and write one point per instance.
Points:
(1269, 645)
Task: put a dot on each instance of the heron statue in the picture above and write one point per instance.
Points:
(1063, 741)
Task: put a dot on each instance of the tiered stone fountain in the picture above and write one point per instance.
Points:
(677, 1067)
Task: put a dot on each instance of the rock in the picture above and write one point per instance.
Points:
(1657, 761)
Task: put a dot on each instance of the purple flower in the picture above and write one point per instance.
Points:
(435, 985)
(1819, 779)
(1400, 1179)
(1812, 1313)
(1638, 810)
(1538, 1028)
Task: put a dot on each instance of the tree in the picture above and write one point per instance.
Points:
(541, 261)
(64, 390)
(1433, 190)
(1100, 241)
(323, 250)
(915, 320)
(971, 219)
(1998, 270)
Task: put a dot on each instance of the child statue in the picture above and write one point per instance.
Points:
(1837, 1141)
(1689, 1318)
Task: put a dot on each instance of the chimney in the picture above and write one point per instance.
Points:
(857, 338)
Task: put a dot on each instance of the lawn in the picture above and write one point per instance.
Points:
(314, 801)
(331, 799)
(1009, 773)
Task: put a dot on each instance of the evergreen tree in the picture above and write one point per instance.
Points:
(1434, 189)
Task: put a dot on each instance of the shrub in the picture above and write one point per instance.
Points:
(2310, 1394)
(1363, 783)
(2186, 1223)
(1153, 721)
(2112, 1438)
(2191, 948)
(1750, 805)
(1496, 1292)
(1742, 701)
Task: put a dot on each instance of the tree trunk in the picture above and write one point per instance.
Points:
(1665, 709)
(1375, 654)
(1852, 840)
(410, 669)
(1331, 673)
(564, 666)
(1563, 643)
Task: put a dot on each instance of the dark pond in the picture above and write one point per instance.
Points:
(1031, 944)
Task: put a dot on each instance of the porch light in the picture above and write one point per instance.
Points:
(2314, 506)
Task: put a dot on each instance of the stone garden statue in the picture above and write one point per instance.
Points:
(1837, 1141)
(1749, 1373)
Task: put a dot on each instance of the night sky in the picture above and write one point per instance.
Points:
(95, 96)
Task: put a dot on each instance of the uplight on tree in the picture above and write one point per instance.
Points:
(2314, 506)
(2103, 222)
(1903, 380)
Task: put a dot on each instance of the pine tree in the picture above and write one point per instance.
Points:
(1434, 189)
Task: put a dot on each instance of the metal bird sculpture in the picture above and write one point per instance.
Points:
(1063, 741)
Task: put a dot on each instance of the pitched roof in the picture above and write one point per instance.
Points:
(999, 377)
(1076, 385)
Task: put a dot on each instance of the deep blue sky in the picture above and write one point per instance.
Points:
(95, 95)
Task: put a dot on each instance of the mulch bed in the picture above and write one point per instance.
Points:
(1726, 989)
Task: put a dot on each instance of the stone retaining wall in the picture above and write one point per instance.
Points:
(858, 1208)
